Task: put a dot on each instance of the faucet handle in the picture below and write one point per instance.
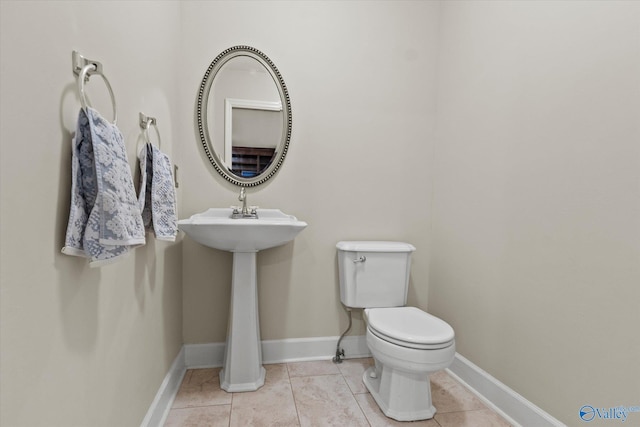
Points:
(253, 209)
(236, 209)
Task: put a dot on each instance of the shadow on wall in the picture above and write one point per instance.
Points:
(77, 282)
(274, 269)
(145, 270)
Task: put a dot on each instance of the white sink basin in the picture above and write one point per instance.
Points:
(214, 228)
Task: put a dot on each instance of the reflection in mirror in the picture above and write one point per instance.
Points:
(244, 116)
(252, 130)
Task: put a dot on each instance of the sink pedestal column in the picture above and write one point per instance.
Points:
(243, 370)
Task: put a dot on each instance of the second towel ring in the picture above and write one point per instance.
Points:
(145, 123)
(83, 77)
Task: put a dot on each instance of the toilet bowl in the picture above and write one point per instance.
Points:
(407, 345)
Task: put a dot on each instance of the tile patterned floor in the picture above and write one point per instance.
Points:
(315, 394)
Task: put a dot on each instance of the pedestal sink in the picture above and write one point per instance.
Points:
(243, 370)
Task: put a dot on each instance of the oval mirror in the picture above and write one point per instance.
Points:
(244, 116)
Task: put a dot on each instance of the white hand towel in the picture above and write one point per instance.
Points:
(157, 197)
(104, 219)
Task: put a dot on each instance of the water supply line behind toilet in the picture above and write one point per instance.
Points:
(340, 351)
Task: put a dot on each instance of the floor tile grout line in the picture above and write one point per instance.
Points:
(364, 414)
(230, 410)
(362, 410)
(201, 406)
(293, 396)
(317, 375)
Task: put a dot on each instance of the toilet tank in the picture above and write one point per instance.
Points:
(374, 273)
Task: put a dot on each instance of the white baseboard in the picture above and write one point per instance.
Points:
(280, 351)
(159, 409)
(509, 404)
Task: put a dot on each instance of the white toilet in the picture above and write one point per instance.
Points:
(407, 344)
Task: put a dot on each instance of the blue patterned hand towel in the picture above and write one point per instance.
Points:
(105, 222)
(157, 197)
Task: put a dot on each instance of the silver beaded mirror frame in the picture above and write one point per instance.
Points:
(205, 119)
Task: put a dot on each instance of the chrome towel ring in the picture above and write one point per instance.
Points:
(84, 69)
(145, 123)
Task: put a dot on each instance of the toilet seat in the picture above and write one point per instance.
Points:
(409, 327)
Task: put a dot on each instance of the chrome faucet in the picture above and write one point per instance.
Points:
(244, 212)
(243, 198)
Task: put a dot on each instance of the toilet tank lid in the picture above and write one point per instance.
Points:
(375, 246)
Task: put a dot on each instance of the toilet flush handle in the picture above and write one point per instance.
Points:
(361, 259)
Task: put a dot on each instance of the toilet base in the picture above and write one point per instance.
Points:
(400, 395)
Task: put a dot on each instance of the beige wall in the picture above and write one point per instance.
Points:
(361, 80)
(536, 209)
(80, 346)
